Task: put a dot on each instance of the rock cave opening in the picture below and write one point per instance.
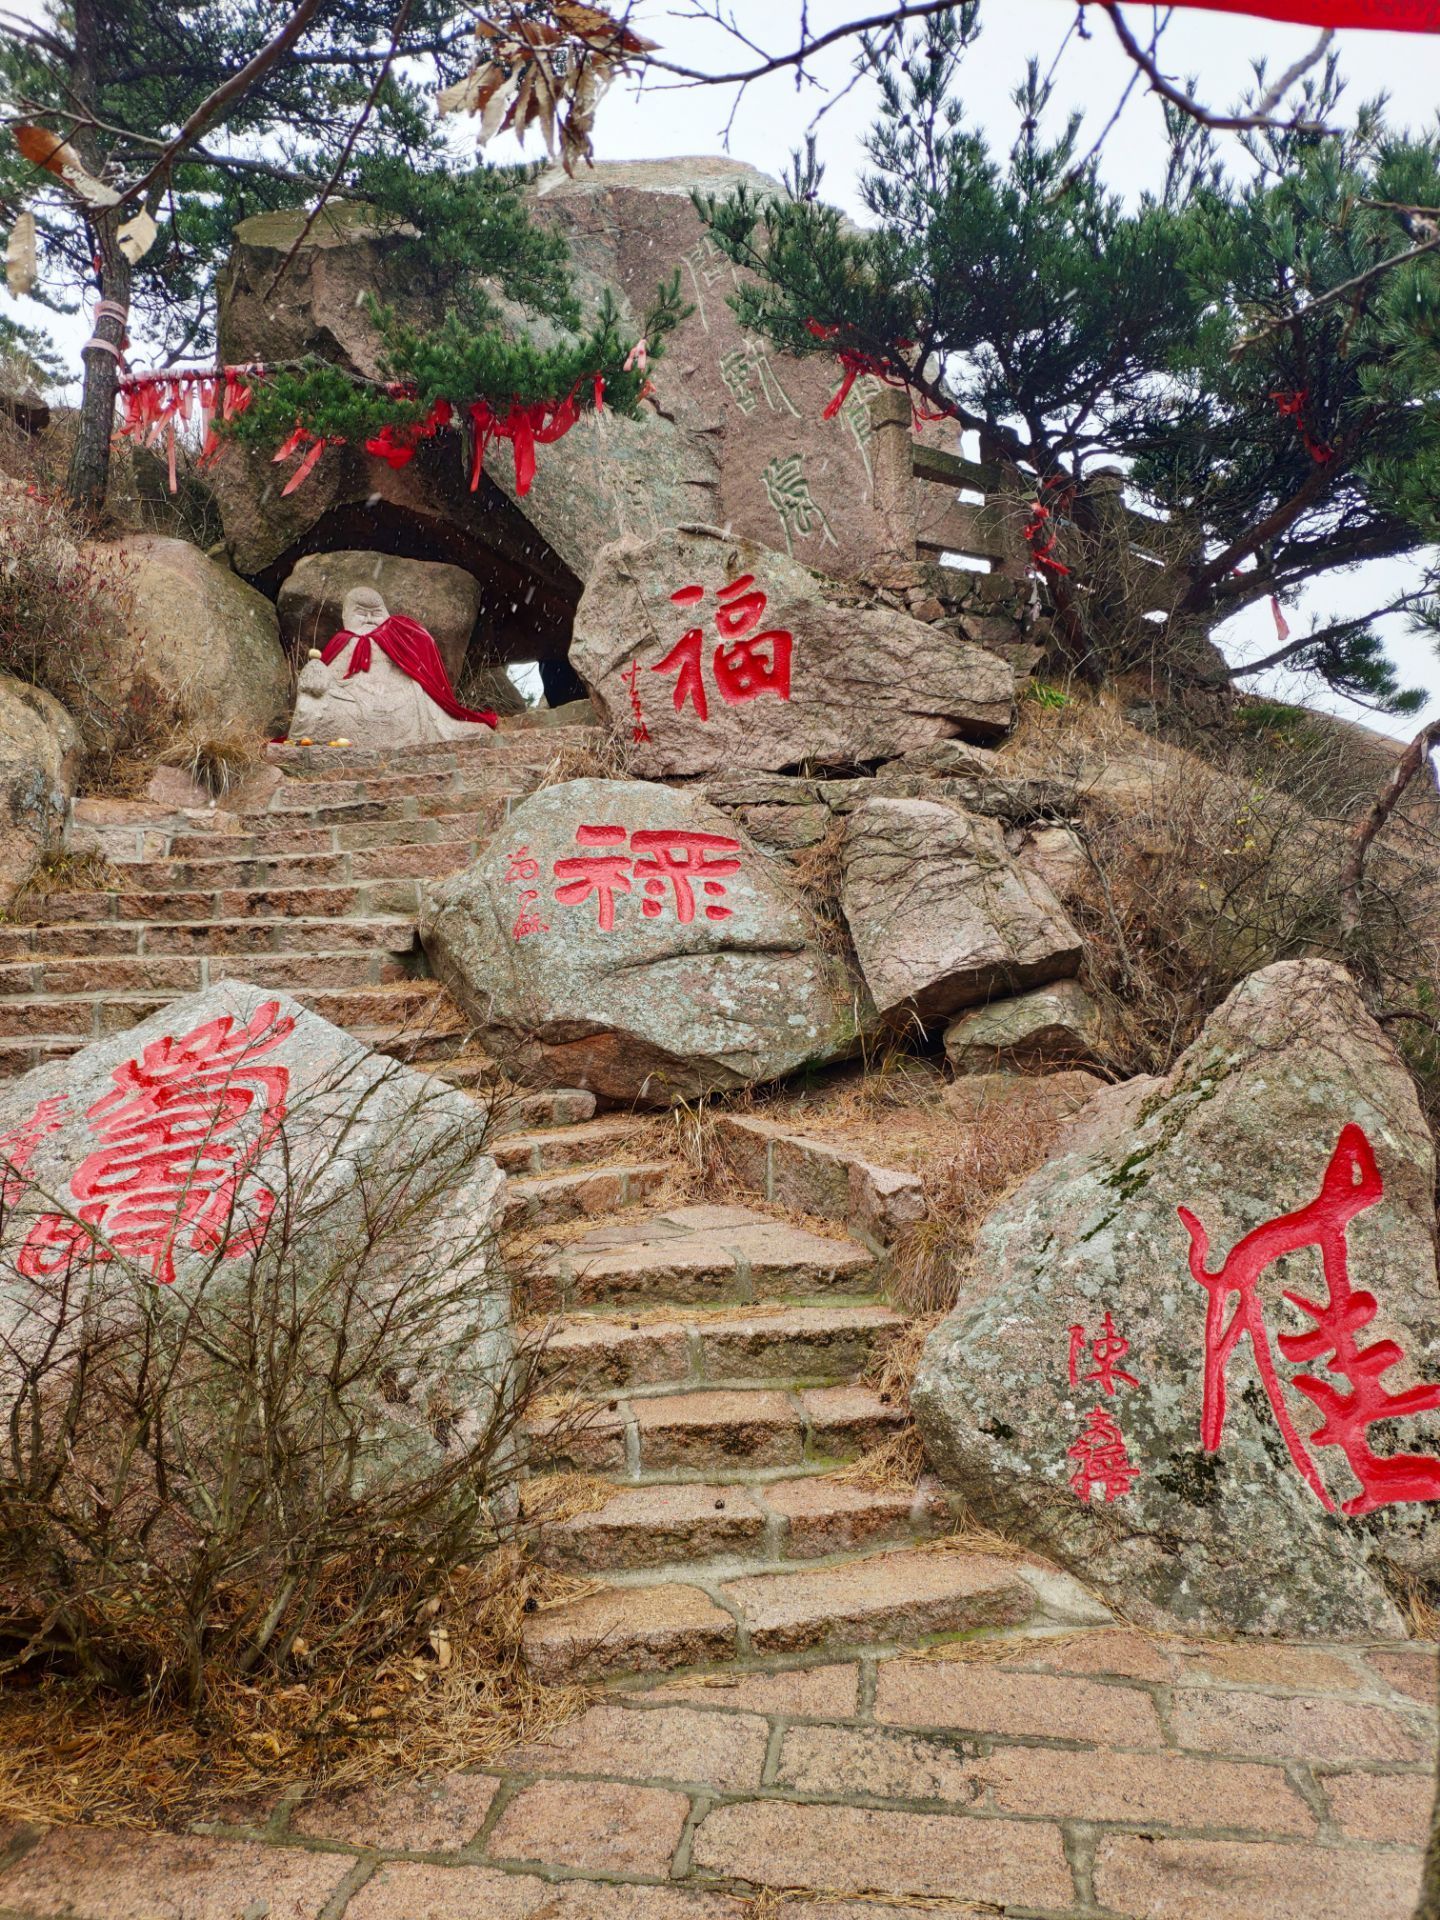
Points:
(499, 600)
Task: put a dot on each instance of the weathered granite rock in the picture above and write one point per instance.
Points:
(770, 678)
(39, 762)
(187, 631)
(1056, 854)
(785, 476)
(610, 476)
(940, 915)
(588, 957)
(1219, 1528)
(1054, 1026)
(445, 600)
(235, 1121)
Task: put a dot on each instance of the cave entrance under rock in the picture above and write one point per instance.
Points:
(528, 594)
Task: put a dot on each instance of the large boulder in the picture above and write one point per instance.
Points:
(185, 631)
(712, 654)
(1160, 1371)
(1052, 1028)
(235, 1133)
(940, 915)
(39, 762)
(610, 475)
(630, 939)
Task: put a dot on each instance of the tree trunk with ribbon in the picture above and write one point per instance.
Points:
(90, 462)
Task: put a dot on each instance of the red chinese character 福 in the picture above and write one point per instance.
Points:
(1109, 1347)
(168, 1165)
(679, 857)
(597, 873)
(742, 666)
(523, 866)
(684, 657)
(1351, 1184)
(19, 1144)
(1101, 1459)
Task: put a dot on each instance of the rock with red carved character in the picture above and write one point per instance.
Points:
(236, 1135)
(714, 654)
(1197, 1356)
(629, 938)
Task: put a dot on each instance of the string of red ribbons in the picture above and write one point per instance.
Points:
(153, 405)
(156, 404)
(1039, 530)
(854, 363)
(1291, 406)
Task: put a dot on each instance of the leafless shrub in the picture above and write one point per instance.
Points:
(929, 1260)
(270, 1472)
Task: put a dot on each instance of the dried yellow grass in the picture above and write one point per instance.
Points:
(69, 1755)
(894, 1466)
(771, 1902)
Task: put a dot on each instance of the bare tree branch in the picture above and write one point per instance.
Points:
(351, 137)
(1353, 872)
(237, 84)
(1335, 293)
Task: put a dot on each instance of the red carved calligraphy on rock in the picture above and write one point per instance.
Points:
(169, 1164)
(745, 664)
(17, 1146)
(1351, 1184)
(522, 866)
(1109, 1348)
(639, 732)
(669, 862)
(1101, 1459)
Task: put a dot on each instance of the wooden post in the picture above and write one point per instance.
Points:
(892, 471)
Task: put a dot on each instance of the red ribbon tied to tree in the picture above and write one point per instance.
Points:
(396, 445)
(156, 404)
(854, 362)
(1291, 406)
(526, 426)
(1038, 533)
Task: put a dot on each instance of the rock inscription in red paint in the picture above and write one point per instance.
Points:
(1351, 1184)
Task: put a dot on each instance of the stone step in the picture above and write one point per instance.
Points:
(556, 1147)
(503, 748)
(705, 1255)
(550, 1199)
(404, 796)
(702, 1429)
(92, 1016)
(666, 1524)
(218, 873)
(552, 1107)
(60, 939)
(906, 1595)
(176, 975)
(232, 903)
(814, 1344)
(283, 842)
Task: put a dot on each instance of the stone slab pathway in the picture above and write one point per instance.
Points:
(1083, 1775)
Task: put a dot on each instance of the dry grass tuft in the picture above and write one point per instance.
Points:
(894, 1466)
(60, 871)
(593, 756)
(549, 1498)
(963, 1186)
(69, 1754)
(218, 763)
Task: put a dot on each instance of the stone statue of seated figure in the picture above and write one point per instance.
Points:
(380, 683)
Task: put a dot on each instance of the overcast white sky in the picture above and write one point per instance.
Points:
(770, 119)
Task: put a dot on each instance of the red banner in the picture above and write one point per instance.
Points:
(1391, 16)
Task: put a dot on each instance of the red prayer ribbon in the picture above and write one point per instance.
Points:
(1039, 534)
(854, 362)
(1291, 406)
(153, 405)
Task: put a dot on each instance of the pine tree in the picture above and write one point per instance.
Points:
(119, 82)
(1199, 341)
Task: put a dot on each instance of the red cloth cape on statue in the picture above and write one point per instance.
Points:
(415, 653)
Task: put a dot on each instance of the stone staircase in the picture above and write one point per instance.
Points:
(706, 1363)
(311, 887)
